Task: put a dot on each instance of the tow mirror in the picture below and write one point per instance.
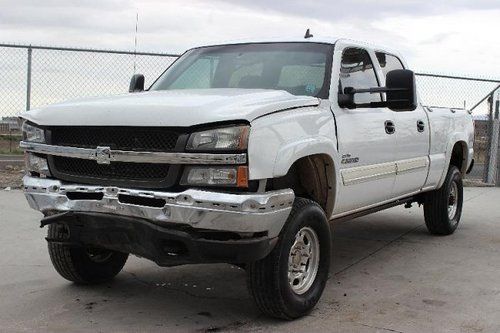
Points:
(400, 92)
(136, 83)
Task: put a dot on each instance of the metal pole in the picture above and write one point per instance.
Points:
(497, 115)
(493, 151)
(485, 97)
(28, 80)
(35, 47)
(489, 131)
(457, 77)
(10, 139)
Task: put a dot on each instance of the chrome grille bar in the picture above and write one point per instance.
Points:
(105, 155)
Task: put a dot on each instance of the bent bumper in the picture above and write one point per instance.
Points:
(164, 246)
(238, 213)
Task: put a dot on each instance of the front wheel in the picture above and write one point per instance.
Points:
(289, 282)
(83, 265)
(443, 207)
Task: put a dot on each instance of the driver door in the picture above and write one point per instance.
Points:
(366, 141)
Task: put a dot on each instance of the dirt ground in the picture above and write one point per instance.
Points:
(11, 161)
(11, 177)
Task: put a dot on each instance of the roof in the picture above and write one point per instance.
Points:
(294, 39)
(291, 39)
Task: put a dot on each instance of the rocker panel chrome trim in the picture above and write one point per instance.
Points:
(356, 175)
(367, 173)
(411, 165)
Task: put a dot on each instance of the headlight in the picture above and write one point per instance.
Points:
(236, 176)
(32, 133)
(227, 138)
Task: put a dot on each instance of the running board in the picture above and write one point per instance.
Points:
(375, 209)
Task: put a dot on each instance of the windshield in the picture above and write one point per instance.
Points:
(299, 68)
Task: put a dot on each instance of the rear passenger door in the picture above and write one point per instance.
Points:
(412, 138)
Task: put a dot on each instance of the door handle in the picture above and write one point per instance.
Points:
(420, 126)
(390, 128)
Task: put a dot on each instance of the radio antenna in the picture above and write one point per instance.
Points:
(135, 39)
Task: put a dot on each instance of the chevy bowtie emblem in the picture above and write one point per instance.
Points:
(103, 155)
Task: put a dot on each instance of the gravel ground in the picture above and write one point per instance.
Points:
(11, 177)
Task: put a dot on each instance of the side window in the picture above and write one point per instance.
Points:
(199, 75)
(388, 62)
(356, 70)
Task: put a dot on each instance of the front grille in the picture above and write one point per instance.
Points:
(140, 175)
(114, 171)
(121, 138)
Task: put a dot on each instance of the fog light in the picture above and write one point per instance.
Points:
(216, 176)
(36, 164)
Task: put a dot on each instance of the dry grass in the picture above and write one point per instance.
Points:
(9, 144)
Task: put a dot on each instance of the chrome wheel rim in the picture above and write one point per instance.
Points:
(303, 260)
(453, 201)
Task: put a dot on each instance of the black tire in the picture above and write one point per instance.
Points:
(268, 278)
(436, 205)
(80, 264)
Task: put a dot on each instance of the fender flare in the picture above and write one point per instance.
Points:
(291, 152)
(461, 138)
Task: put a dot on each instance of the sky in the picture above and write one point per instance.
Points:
(451, 37)
(440, 36)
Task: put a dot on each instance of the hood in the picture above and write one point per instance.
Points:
(168, 108)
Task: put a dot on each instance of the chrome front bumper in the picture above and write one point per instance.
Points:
(240, 213)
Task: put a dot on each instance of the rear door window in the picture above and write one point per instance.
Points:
(388, 62)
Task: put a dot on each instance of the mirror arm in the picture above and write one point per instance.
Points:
(400, 88)
(367, 105)
(352, 91)
(347, 98)
(372, 105)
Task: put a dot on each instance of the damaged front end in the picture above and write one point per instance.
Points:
(193, 226)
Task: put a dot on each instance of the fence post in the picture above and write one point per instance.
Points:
(497, 115)
(493, 146)
(28, 80)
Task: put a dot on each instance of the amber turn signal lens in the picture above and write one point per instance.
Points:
(242, 177)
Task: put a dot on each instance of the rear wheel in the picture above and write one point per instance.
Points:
(443, 207)
(83, 265)
(290, 280)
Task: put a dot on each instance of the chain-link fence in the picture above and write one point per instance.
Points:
(33, 76)
(481, 97)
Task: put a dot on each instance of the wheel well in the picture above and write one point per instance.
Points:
(458, 156)
(311, 177)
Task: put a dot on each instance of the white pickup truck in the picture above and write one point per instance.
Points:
(243, 153)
